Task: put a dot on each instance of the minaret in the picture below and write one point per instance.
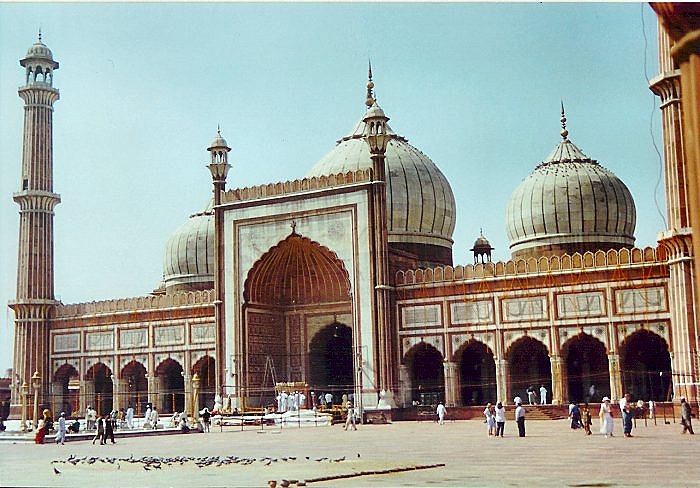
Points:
(35, 270)
(678, 238)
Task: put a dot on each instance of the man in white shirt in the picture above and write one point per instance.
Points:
(441, 410)
(520, 419)
(543, 394)
(626, 410)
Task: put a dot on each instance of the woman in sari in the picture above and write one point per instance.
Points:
(606, 418)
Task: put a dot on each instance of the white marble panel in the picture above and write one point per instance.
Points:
(66, 342)
(202, 333)
(133, 338)
(170, 335)
(571, 305)
(473, 312)
(639, 300)
(421, 316)
(525, 308)
(99, 341)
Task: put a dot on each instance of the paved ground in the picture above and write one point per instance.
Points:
(551, 455)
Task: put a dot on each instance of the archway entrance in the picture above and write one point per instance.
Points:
(290, 295)
(136, 386)
(205, 369)
(171, 386)
(330, 361)
(101, 376)
(528, 365)
(477, 370)
(645, 365)
(427, 374)
(66, 394)
(586, 369)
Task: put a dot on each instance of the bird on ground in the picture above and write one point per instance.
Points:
(56, 471)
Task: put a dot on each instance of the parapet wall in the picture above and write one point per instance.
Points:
(297, 186)
(151, 302)
(565, 262)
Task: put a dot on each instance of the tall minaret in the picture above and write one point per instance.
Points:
(35, 270)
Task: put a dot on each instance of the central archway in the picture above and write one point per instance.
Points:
(287, 294)
(587, 372)
(101, 376)
(171, 386)
(330, 361)
(528, 365)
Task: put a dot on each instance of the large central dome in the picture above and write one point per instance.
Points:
(420, 203)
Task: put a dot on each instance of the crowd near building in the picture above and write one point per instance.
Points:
(343, 280)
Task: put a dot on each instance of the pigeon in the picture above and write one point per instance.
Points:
(56, 471)
(358, 454)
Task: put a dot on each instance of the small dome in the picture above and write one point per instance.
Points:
(218, 142)
(188, 263)
(481, 243)
(420, 203)
(569, 203)
(39, 50)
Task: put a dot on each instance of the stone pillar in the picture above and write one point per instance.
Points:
(87, 395)
(502, 385)
(116, 397)
(451, 383)
(188, 394)
(405, 397)
(615, 377)
(152, 390)
(557, 379)
(56, 399)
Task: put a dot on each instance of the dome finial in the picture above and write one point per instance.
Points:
(564, 132)
(370, 85)
(39, 34)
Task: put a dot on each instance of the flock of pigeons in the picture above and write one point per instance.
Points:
(151, 462)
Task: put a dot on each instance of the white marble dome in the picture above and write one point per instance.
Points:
(188, 263)
(569, 203)
(420, 203)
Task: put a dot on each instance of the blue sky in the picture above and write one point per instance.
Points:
(477, 87)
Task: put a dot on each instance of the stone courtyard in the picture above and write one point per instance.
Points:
(551, 455)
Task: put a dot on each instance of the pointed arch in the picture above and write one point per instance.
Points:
(645, 365)
(528, 365)
(331, 360)
(427, 374)
(171, 386)
(101, 377)
(587, 368)
(477, 373)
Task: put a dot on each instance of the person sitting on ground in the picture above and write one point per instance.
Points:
(183, 426)
(74, 428)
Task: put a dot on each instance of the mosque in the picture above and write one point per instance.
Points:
(343, 280)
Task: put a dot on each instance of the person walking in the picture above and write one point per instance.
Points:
(350, 420)
(626, 411)
(130, 417)
(441, 411)
(62, 429)
(500, 419)
(686, 416)
(108, 430)
(652, 409)
(100, 431)
(586, 419)
(490, 419)
(206, 419)
(543, 395)
(606, 418)
(520, 419)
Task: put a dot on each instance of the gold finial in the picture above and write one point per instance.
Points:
(370, 85)
(39, 34)
(294, 226)
(564, 132)
(218, 129)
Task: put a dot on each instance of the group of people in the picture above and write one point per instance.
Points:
(290, 401)
(104, 429)
(495, 418)
(532, 395)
